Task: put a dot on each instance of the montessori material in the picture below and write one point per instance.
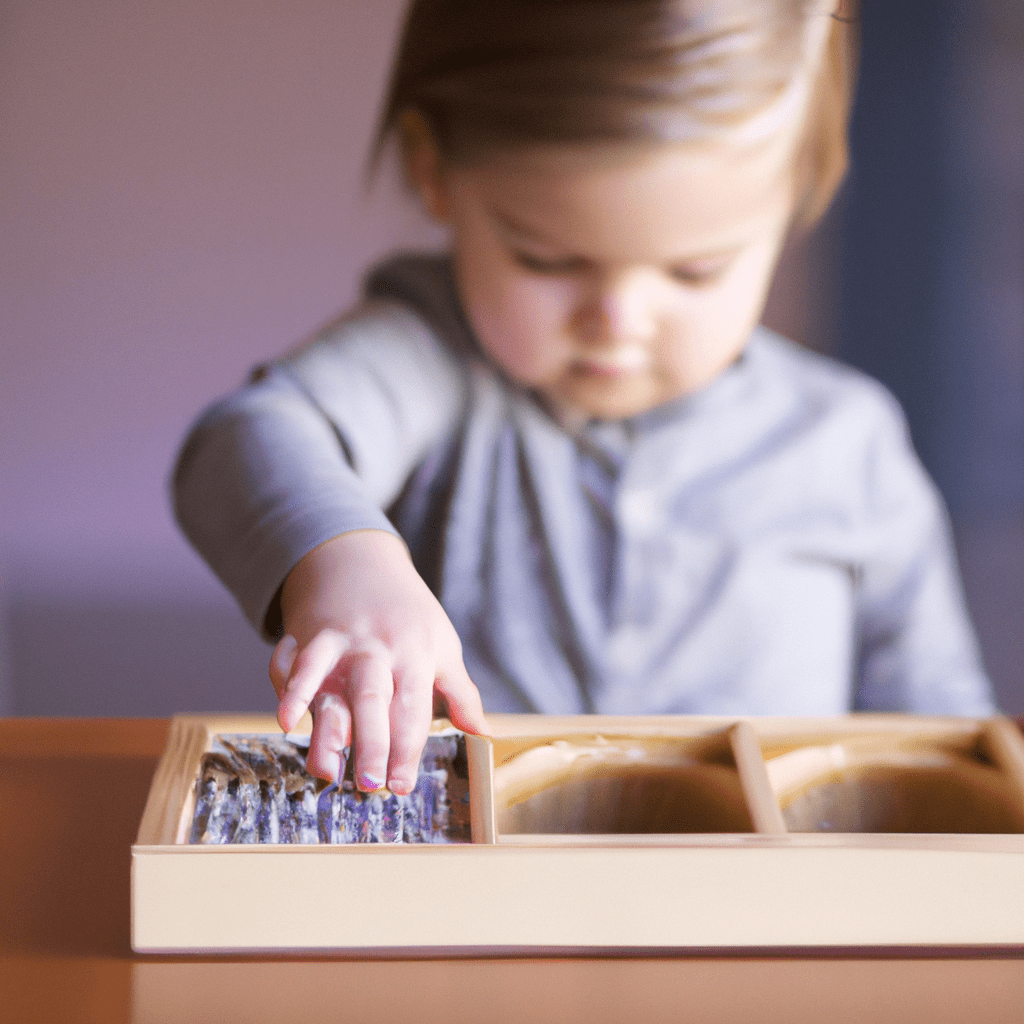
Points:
(591, 832)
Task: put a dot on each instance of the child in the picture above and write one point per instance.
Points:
(561, 469)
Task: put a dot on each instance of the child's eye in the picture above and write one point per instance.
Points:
(701, 274)
(538, 265)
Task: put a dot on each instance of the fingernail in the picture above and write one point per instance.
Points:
(369, 782)
(400, 787)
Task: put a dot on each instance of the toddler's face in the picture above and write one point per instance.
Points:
(613, 281)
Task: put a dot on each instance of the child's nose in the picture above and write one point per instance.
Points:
(618, 312)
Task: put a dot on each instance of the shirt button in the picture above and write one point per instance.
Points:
(626, 645)
(640, 512)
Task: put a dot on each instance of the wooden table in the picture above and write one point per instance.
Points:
(65, 956)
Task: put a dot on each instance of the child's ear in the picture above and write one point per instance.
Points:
(831, 8)
(819, 25)
(424, 169)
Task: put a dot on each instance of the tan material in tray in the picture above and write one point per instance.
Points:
(599, 832)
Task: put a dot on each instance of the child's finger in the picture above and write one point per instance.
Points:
(332, 732)
(465, 709)
(281, 662)
(410, 714)
(369, 686)
(313, 664)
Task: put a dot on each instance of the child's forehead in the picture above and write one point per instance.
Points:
(669, 200)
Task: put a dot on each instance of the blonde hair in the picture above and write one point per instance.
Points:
(489, 75)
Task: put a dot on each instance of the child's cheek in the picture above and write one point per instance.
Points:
(525, 332)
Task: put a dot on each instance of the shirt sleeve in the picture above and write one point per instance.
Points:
(918, 650)
(315, 445)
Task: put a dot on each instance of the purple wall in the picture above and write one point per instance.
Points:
(180, 197)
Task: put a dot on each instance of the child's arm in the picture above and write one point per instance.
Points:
(281, 488)
(367, 645)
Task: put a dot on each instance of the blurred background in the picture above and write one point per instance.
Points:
(181, 196)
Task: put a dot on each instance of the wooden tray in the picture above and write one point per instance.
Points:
(623, 834)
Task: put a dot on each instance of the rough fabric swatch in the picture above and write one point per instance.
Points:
(255, 789)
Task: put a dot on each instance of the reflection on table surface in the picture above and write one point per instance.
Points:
(71, 796)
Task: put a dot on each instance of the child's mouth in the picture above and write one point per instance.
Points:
(617, 363)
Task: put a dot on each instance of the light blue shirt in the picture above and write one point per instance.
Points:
(769, 545)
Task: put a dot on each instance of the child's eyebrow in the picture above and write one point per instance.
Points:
(511, 226)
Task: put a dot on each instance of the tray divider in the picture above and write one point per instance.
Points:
(765, 814)
(482, 812)
(1002, 741)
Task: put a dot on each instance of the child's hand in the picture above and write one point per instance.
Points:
(366, 646)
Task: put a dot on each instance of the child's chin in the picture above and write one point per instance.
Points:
(610, 396)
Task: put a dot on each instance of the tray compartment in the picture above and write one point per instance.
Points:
(899, 784)
(620, 785)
